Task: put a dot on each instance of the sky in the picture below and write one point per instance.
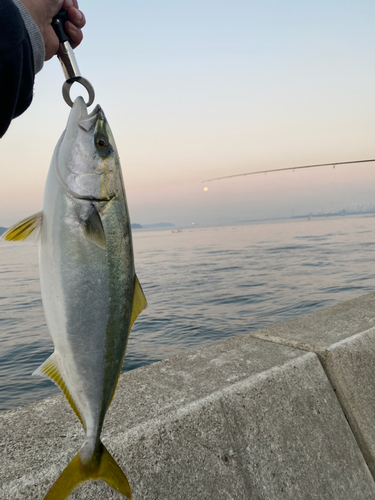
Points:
(207, 88)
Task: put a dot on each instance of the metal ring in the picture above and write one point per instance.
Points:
(82, 81)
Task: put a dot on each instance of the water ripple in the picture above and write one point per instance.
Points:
(202, 285)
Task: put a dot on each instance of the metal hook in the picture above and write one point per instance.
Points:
(68, 61)
(66, 90)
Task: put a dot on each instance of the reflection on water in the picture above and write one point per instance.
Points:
(202, 285)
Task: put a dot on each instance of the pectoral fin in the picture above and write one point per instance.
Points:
(27, 229)
(93, 228)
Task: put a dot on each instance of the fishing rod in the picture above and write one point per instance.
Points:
(333, 164)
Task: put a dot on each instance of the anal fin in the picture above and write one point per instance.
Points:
(50, 369)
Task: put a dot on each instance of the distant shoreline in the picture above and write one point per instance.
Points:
(311, 216)
(134, 226)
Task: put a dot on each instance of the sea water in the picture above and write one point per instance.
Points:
(202, 284)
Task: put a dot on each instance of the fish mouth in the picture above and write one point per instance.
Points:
(88, 122)
(79, 115)
(92, 198)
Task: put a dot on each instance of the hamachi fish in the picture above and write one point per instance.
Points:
(91, 294)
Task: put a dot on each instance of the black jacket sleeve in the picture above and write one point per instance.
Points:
(16, 65)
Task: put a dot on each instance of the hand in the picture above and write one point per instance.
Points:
(42, 11)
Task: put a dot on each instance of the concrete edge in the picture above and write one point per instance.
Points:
(325, 355)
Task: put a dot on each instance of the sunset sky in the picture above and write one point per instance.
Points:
(208, 88)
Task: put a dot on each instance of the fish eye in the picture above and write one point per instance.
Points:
(101, 143)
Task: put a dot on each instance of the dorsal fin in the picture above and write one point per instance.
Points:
(50, 369)
(139, 301)
(25, 229)
(138, 304)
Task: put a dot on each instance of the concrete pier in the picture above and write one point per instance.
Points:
(287, 412)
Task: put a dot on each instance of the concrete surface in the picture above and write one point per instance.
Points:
(343, 336)
(238, 419)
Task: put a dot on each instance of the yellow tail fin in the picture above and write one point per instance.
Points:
(75, 472)
(111, 473)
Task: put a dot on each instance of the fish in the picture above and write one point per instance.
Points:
(90, 292)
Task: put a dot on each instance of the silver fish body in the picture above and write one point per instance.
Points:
(91, 295)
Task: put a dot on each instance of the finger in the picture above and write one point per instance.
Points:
(76, 17)
(67, 4)
(75, 34)
(70, 3)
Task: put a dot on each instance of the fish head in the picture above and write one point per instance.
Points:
(87, 162)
